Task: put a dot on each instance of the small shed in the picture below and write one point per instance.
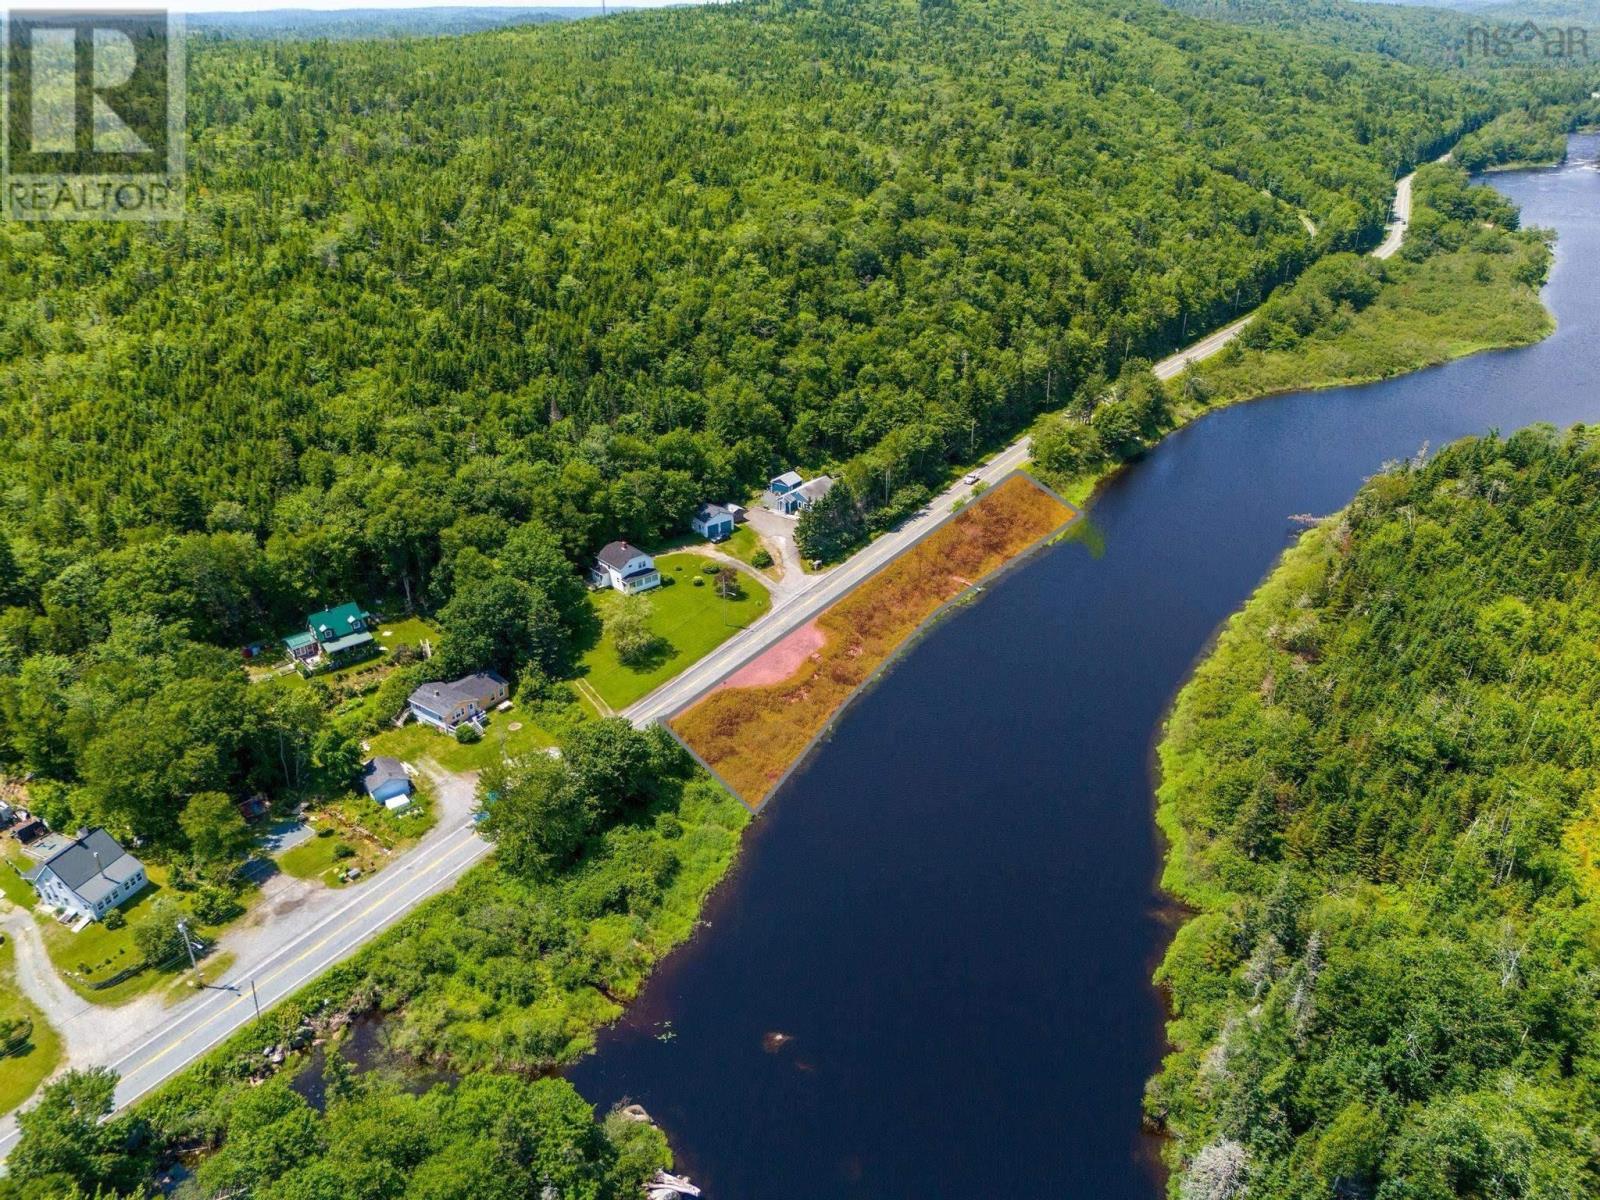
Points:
(386, 781)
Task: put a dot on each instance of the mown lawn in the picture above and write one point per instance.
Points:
(414, 742)
(96, 952)
(21, 1073)
(689, 622)
(752, 734)
(354, 831)
(12, 885)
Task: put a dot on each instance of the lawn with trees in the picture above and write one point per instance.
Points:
(604, 860)
(1381, 796)
(647, 638)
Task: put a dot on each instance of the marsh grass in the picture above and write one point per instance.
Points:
(752, 735)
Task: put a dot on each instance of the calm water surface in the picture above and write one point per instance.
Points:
(951, 912)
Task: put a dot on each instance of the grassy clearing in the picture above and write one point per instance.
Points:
(96, 952)
(12, 885)
(752, 735)
(689, 622)
(412, 632)
(354, 832)
(414, 742)
(744, 545)
(21, 1073)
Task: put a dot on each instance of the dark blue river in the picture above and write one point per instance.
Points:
(951, 913)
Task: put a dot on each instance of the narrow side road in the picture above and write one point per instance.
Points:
(146, 1041)
(147, 1044)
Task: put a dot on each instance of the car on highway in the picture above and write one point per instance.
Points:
(970, 477)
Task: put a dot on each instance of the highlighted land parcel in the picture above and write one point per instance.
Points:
(760, 721)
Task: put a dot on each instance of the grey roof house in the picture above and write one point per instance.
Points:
(386, 781)
(625, 568)
(459, 701)
(804, 496)
(713, 521)
(89, 876)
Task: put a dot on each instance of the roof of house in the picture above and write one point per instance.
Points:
(334, 625)
(710, 512)
(817, 488)
(789, 479)
(619, 554)
(449, 693)
(380, 771)
(93, 865)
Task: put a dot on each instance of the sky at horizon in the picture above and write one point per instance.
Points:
(240, 6)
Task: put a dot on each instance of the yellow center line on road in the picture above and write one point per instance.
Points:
(177, 1043)
(389, 885)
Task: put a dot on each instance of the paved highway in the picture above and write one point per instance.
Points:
(1402, 218)
(206, 1021)
(435, 865)
(819, 591)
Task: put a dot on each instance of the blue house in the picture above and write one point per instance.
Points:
(386, 781)
(713, 522)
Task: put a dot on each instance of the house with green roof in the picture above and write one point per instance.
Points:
(332, 635)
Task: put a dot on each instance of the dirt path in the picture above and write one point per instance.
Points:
(296, 929)
(35, 975)
(778, 534)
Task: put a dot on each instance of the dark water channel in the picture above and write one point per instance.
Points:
(950, 914)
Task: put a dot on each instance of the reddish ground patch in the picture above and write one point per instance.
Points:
(755, 726)
(780, 660)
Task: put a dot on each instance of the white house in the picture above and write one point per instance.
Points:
(464, 701)
(89, 876)
(625, 568)
(713, 521)
(798, 499)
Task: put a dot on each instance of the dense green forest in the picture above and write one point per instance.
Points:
(491, 1137)
(1487, 40)
(1466, 279)
(1536, 134)
(426, 340)
(1381, 793)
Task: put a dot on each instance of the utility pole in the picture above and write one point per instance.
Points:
(183, 932)
(255, 1001)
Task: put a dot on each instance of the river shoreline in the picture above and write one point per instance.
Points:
(958, 895)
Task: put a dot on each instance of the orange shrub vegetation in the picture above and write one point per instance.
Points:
(752, 735)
